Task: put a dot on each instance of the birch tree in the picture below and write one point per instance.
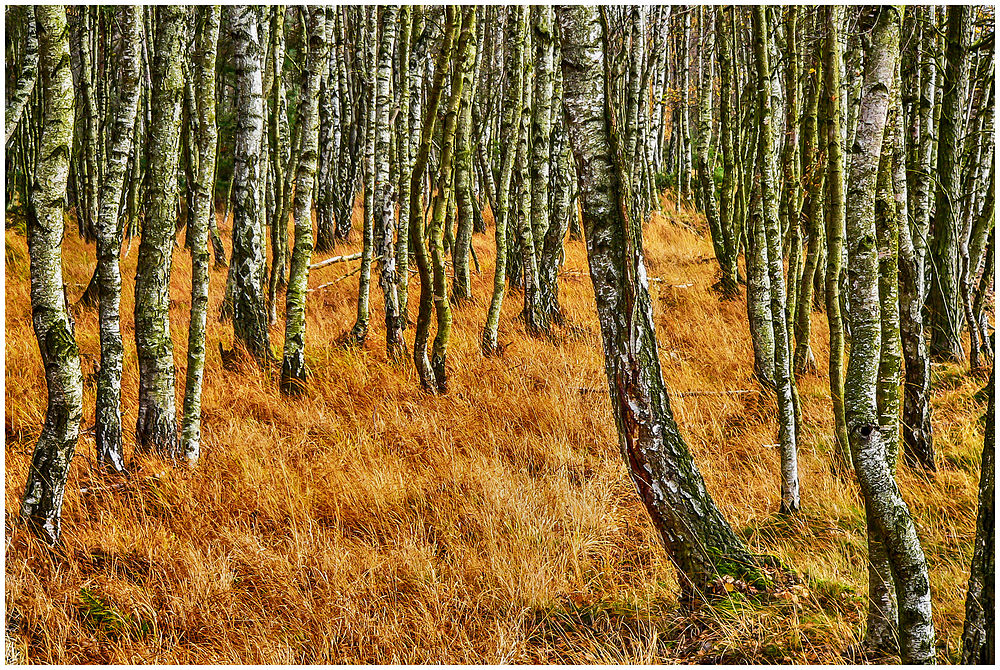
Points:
(26, 79)
(293, 364)
(108, 413)
(384, 202)
(699, 541)
(41, 505)
(517, 25)
(248, 262)
(890, 527)
(156, 426)
(979, 632)
(943, 303)
(203, 212)
(783, 379)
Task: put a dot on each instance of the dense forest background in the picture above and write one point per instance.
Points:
(308, 290)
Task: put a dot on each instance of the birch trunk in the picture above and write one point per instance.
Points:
(978, 634)
(462, 282)
(783, 380)
(384, 202)
(26, 80)
(813, 180)
(729, 283)
(698, 539)
(943, 302)
(248, 262)
(293, 364)
(359, 333)
(156, 426)
(41, 505)
(442, 203)
(421, 335)
(890, 523)
(835, 222)
(206, 40)
(108, 413)
(509, 132)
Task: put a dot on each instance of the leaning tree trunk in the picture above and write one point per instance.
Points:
(108, 412)
(203, 212)
(293, 364)
(978, 635)
(156, 425)
(248, 264)
(697, 537)
(384, 203)
(890, 523)
(442, 202)
(26, 81)
(943, 301)
(783, 380)
(41, 506)
(421, 361)
(509, 130)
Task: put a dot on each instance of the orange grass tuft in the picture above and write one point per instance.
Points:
(369, 522)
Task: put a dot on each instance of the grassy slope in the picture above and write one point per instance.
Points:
(369, 522)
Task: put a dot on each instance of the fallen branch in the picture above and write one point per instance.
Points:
(335, 259)
(681, 394)
(335, 281)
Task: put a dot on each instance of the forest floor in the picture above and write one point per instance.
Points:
(370, 522)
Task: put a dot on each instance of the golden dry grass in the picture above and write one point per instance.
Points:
(369, 522)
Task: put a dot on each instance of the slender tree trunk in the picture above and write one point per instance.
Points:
(203, 212)
(421, 335)
(108, 413)
(411, 40)
(552, 250)
(462, 283)
(359, 333)
(890, 523)
(729, 263)
(442, 202)
(978, 634)
(813, 180)
(698, 539)
(783, 379)
(26, 80)
(293, 364)
(41, 505)
(835, 222)
(978, 347)
(684, 178)
(943, 303)
(156, 426)
(706, 171)
(509, 132)
(384, 201)
(759, 291)
(277, 131)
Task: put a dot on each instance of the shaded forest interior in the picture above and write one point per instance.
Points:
(312, 292)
